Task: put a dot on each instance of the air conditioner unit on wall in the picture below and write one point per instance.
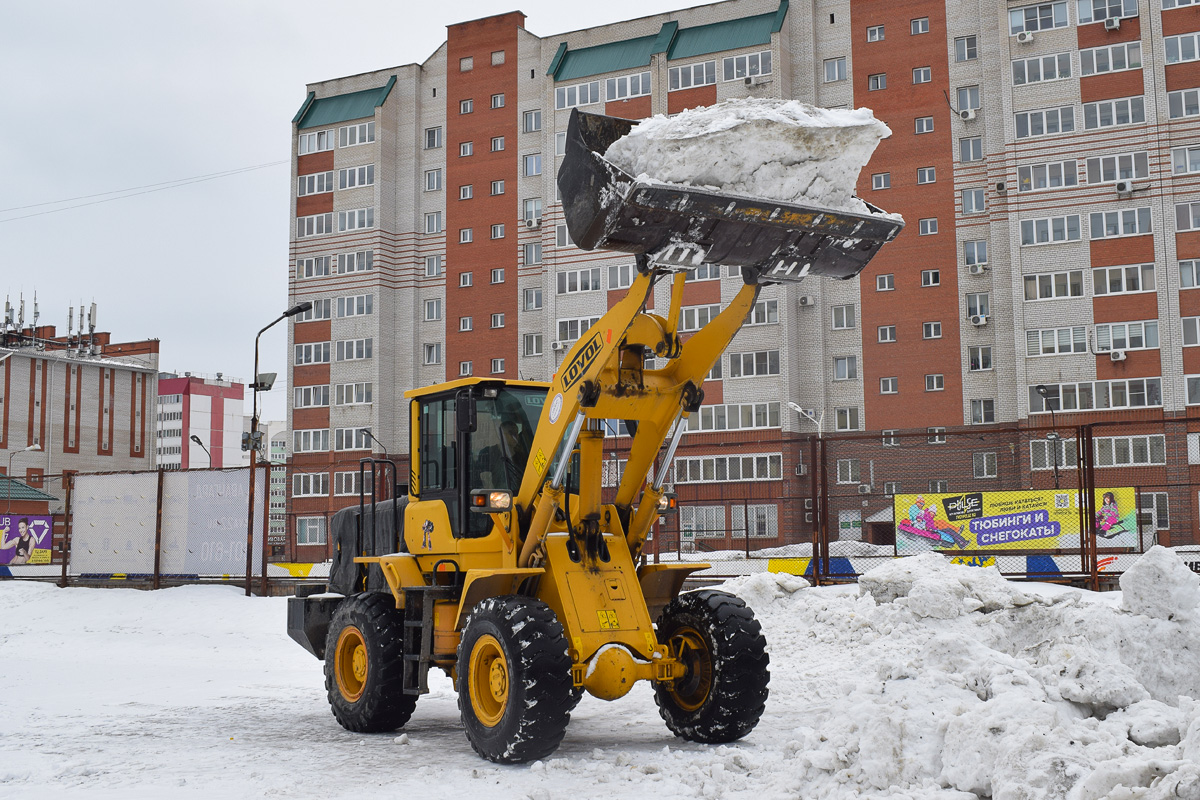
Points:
(1124, 188)
(807, 300)
(864, 488)
(1001, 187)
(967, 114)
(1112, 24)
(979, 320)
(1025, 37)
(801, 469)
(977, 269)
(556, 346)
(533, 222)
(1116, 355)
(755, 80)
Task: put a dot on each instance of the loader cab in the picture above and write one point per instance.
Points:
(473, 435)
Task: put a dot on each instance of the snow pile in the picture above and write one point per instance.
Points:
(777, 149)
(928, 680)
(1160, 585)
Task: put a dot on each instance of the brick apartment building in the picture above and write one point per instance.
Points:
(1046, 158)
(208, 408)
(84, 402)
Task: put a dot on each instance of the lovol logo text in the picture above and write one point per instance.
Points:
(583, 359)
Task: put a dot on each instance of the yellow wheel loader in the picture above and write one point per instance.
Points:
(500, 564)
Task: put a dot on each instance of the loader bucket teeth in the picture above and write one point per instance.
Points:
(682, 226)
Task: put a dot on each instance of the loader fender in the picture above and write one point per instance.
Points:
(482, 583)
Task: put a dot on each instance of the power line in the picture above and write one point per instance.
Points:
(134, 191)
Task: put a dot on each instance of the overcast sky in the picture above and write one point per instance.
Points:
(130, 94)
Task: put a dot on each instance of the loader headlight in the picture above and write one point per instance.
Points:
(668, 504)
(487, 501)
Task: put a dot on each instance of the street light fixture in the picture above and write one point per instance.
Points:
(264, 382)
(1052, 436)
(196, 439)
(8, 475)
(808, 414)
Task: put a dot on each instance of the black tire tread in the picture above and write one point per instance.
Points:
(738, 695)
(383, 705)
(527, 732)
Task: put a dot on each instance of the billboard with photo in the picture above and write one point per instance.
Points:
(1023, 520)
(25, 539)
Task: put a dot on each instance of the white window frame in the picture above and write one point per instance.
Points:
(1101, 60)
(1142, 274)
(1121, 111)
(1060, 285)
(1050, 230)
(1125, 221)
(1045, 122)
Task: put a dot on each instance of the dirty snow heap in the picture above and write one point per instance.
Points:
(776, 149)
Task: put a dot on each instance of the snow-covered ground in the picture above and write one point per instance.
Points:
(927, 680)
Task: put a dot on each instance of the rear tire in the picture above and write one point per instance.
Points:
(724, 691)
(514, 679)
(364, 665)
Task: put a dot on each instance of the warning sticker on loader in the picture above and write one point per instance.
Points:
(608, 619)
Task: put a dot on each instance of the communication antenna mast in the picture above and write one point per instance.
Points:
(8, 313)
(21, 314)
(92, 330)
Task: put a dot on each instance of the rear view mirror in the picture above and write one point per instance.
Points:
(464, 413)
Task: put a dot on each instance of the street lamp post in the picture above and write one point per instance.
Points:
(8, 475)
(264, 382)
(819, 549)
(196, 439)
(808, 414)
(1052, 436)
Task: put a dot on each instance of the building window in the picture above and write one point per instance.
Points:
(924, 125)
(433, 266)
(928, 226)
(935, 382)
(532, 164)
(890, 438)
(578, 280)
(433, 353)
(926, 175)
(317, 183)
(310, 530)
(734, 417)
(846, 419)
(1043, 16)
(931, 277)
(497, 144)
(845, 368)
(970, 149)
(1045, 122)
(966, 48)
(847, 470)
(466, 192)
(465, 324)
(1179, 48)
(310, 441)
(351, 439)
(984, 465)
(345, 483)
(315, 142)
(533, 253)
(1187, 216)
(876, 82)
(1041, 69)
(975, 252)
(835, 69)
(843, 317)
(891, 488)
(1109, 169)
(1054, 285)
(321, 309)
(931, 330)
(433, 222)
(1042, 455)
(466, 148)
(314, 353)
(974, 201)
(532, 299)
(627, 86)
(317, 267)
(979, 304)
(1088, 395)
(579, 95)
(433, 138)
(533, 344)
(356, 219)
(881, 180)
(1050, 230)
(466, 106)
(1100, 10)
(351, 135)
(310, 397)
(498, 275)
(464, 369)
(875, 33)
(497, 320)
(761, 362)
(310, 485)
(314, 225)
(935, 435)
(353, 394)
(497, 366)
(1053, 175)
(1127, 111)
(979, 359)
(531, 121)
(571, 328)
(885, 283)
(358, 305)
(685, 77)
(360, 261)
(354, 349)
(498, 101)
(887, 333)
(919, 26)
(889, 385)
(968, 98)
(1127, 336)
(433, 309)
(1119, 57)
(693, 318)
(1123, 280)
(1127, 222)
(1055, 341)
(738, 67)
(1189, 274)
(749, 467)
(1121, 451)
(497, 233)
(922, 75)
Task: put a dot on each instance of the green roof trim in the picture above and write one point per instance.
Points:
(731, 34)
(666, 35)
(556, 62)
(18, 490)
(308, 101)
(611, 57)
(342, 107)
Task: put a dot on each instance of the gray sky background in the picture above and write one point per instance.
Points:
(100, 97)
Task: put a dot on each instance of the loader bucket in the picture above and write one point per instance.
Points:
(683, 226)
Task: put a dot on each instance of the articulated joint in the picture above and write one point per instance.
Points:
(692, 397)
(613, 671)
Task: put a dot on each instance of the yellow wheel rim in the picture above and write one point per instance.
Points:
(692, 689)
(350, 664)
(488, 680)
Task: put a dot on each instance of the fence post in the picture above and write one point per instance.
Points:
(821, 564)
(746, 525)
(66, 543)
(1087, 506)
(158, 530)
(267, 523)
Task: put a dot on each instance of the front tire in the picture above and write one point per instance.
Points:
(514, 679)
(723, 693)
(364, 665)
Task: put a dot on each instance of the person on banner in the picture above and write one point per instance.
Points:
(22, 545)
(1108, 518)
(922, 521)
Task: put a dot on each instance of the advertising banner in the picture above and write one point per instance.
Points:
(1022, 520)
(204, 522)
(25, 539)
